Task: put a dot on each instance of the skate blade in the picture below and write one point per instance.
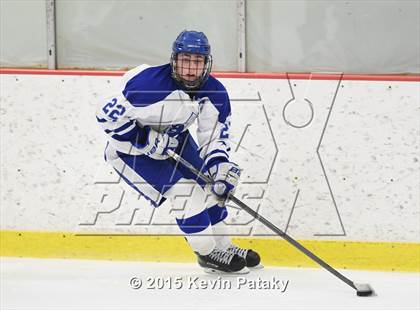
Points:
(244, 270)
(259, 266)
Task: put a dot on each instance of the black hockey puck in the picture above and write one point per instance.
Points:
(364, 293)
(364, 290)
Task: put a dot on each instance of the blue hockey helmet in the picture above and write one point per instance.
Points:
(191, 42)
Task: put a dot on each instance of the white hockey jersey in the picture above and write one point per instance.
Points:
(151, 97)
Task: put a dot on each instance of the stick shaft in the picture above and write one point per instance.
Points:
(267, 223)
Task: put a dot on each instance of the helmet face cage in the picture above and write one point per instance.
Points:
(191, 85)
(192, 43)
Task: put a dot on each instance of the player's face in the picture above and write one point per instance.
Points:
(190, 66)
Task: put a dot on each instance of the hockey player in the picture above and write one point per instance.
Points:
(152, 114)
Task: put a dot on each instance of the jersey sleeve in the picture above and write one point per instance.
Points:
(213, 127)
(115, 116)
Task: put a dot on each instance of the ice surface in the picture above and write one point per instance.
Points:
(83, 284)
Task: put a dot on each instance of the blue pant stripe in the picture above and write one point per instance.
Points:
(194, 224)
(217, 214)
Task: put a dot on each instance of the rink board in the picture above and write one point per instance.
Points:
(340, 174)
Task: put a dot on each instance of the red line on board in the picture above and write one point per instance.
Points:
(234, 75)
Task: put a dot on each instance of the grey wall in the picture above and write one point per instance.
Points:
(115, 34)
(23, 37)
(292, 36)
(344, 36)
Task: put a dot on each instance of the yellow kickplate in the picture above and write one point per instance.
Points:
(389, 256)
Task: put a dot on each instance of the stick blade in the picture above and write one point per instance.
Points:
(364, 290)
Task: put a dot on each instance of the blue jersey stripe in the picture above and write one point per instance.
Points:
(125, 126)
(121, 128)
(101, 120)
(216, 151)
(134, 136)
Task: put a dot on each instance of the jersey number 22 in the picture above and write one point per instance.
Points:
(113, 110)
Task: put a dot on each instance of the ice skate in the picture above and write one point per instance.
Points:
(252, 258)
(219, 261)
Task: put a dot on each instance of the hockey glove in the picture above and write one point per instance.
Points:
(156, 144)
(225, 176)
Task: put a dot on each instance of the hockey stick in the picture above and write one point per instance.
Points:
(361, 289)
